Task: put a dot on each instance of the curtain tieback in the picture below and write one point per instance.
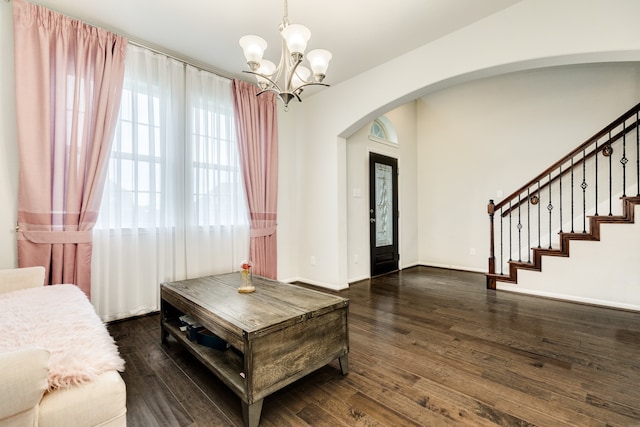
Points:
(263, 231)
(51, 237)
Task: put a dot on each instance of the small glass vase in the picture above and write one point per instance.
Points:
(247, 279)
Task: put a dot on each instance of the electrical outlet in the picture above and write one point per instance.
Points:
(472, 251)
(355, 259)
(313, 260)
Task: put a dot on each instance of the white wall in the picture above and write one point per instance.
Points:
(358, 148)
(496, 134)
(528, 35)
(288, 189)
(604, 273)
(8, 147)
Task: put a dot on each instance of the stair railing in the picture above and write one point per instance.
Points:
(581, 184)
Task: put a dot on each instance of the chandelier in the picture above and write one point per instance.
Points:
(289, 78)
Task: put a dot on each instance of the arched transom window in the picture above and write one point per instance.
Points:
(382, 130)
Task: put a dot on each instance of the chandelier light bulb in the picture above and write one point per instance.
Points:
(319, 61)
(266, 68)
(301, 76)
(296, 36)
(253, 48)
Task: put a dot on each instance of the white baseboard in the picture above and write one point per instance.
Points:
(453, 267)
(358, 279)
(570, 298)
(314, 283)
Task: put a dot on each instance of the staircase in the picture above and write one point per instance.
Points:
(598, 182)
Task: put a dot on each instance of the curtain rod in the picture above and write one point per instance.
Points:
(156, 49)
(189, 61)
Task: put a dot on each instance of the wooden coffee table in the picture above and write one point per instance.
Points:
(278, 334)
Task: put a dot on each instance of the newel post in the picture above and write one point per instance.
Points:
(491, 281)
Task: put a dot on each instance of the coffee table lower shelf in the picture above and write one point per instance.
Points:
(226, 365)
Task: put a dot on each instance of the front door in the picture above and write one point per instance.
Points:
(383, 213)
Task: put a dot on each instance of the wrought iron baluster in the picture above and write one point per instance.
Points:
(584, 186)
(510, 233)
(624, 159)
(560, 182)
(539, 216)
(501, 242)
(637, 156)
(596, 178)
(550, 208)
(572, 214)
(519, 226)
(608, 152)
(529, 225)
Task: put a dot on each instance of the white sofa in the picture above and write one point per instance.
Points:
(26, 398)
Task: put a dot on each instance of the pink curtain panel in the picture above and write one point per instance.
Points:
(69, 79)
(257, 133)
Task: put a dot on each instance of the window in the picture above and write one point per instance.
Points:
(379, 130)
(382, 130)
(144, 159)
(174, 205)
(217, 176)
(135, 188)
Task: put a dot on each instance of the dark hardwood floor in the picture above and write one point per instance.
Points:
(428, 347)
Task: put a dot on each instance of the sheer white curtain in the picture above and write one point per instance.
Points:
(174, 205)
(215, 179)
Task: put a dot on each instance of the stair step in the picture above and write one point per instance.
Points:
(524, 265)
(502, 278)
(577, 236)
(549, 252)
(565, 239)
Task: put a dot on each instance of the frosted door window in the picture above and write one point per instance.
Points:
(384, 205)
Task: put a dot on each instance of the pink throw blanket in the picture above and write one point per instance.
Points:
(60, 319)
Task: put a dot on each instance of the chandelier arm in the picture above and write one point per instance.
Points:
(264, 77)
(277, 92)
(283, 65)
(284, 53)
(311, 84)
(292, 72)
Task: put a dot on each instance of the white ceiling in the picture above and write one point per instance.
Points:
(360, 33)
